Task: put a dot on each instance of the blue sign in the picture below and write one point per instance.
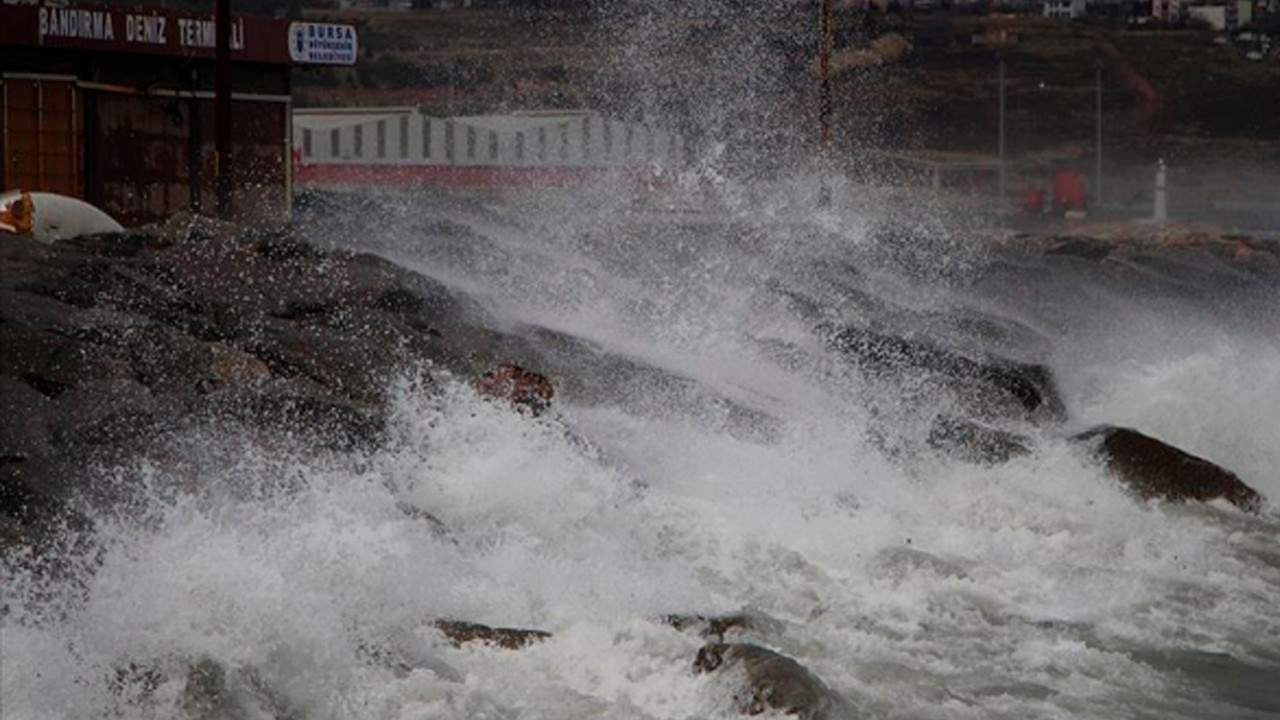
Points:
(322, 43)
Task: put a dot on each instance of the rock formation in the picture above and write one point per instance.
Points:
(975, 443)
(1155, 470)
(990, 387)
(462, 633)
(527, 390)
(113, 342)
(772, 681)
(710, 626)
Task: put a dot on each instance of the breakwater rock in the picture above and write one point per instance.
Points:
(767, 681)
(113, 342)
(1155, 470)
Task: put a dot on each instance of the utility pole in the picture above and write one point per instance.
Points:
(222, 108)
(1002, 168)
(1160, 213)
(1097, 168)
(824, 100)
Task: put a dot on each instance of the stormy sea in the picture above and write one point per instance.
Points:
(850, 441)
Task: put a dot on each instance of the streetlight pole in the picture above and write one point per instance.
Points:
(222, 107)
(824, 99)
(1097, 168)
(1002, 159)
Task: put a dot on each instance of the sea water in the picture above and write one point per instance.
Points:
(748, 469)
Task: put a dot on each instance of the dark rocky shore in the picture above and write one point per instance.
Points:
(114, 343)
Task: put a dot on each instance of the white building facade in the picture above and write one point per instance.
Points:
(1064, 9)
(404, 136)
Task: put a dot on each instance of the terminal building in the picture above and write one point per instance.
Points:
(113, 104)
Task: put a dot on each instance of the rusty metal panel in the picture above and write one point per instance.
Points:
(41, 135)
(132, 154)
(143, 162)
(21, 135)
(139, 156)
(59, 159)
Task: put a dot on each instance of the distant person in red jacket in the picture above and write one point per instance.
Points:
(1068, 190)
(1033, 201)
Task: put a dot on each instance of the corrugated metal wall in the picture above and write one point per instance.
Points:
(142, 161)
(139, 156)
(40, 131)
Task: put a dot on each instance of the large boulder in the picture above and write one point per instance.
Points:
(1155, 470)
(770, 681)
(588, 374)
(989, 387)
(711, 626)
(527, 390)
(460, 633)
(974, 442)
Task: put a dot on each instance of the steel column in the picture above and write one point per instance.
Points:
(1002, 153)
(222, 165)
(824, 99)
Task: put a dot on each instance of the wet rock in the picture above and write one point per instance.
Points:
(461, 633)
(97, 412)
(25, 505)
(523, 388)
(215, 691)
(277, 245)
(897, 563)
(437, 526)
(714, 626)
(57, 538)
(403, 655)
(332, 360)
(114, 343)
(976, 443)
(1091, 249)
(19, 399)
(134, 683)
(588, 374)
(205, 694)
(992, 387)
(234, 366)
(301, 409)
(1155, 470)
(773, 682)
(52, 358)
(166, 357)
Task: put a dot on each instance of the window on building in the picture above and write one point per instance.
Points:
(520, 146)
(542, 143)
(404, 136)
(493, 145)
(426, 137)
(564, 141)
(335, 143)
(358, 142)
(382, 138)
(306, 143)
(586, 137)
(448, 141)
(471, 143)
